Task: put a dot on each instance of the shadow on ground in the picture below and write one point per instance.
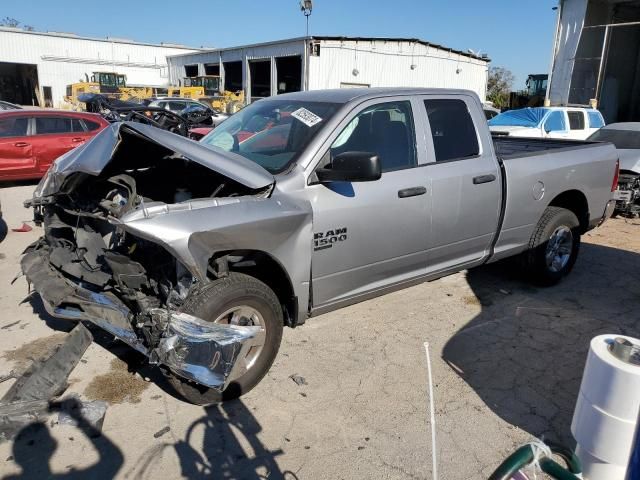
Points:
(222, 444)
(525, 352)
(33, 448)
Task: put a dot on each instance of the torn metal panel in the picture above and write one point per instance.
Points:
(47, 379)
(62, 299)
(92, 157)
(201, 351)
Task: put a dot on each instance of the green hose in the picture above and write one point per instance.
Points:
(514, 462)
(526, 454)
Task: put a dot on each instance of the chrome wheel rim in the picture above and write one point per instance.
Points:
(246, 316)
(559, 248)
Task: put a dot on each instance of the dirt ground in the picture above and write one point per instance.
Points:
(507, 360)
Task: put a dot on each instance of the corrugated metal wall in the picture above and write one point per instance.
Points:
(62, 60)
(252, 52)
(389, 64)
(379, 64)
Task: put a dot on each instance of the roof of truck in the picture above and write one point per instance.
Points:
(345, 95)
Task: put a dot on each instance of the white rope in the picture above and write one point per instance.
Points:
(433, 414)
(540, 450)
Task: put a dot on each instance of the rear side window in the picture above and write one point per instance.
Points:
(13, 127)
(91, 125)
(595, 120)
(176, 106)
(555, 122)
(76, 125)
(48, 125)
(454, 134)
(576, 120)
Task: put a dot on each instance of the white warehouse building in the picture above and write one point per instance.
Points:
(312, 63)
(36, 67)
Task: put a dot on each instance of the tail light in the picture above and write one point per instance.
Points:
(616, 175)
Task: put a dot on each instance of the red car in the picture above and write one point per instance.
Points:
(30, 140)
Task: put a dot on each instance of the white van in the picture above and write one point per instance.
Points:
(548, 122)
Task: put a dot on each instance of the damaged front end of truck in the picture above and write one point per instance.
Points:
(129, 223)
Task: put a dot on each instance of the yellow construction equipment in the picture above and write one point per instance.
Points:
(207, 89)
(112, 84)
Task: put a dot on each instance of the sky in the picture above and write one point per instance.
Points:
(516, 34)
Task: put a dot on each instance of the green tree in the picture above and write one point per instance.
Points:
(499, 85)
(12, 22)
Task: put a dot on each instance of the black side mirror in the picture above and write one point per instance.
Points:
(351, 167)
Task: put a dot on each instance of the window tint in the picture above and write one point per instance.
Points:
(176, 106)
(454, 134)
(385, 129)
(595, 120)
(555, 122)
(576, 120)
(91, 126)
(45, 125)
(76, 125)
(13, 127)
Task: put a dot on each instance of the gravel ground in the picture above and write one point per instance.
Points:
(507, 360)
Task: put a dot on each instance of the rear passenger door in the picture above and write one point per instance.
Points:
(463, 180)
(53, 137)
(16, 149)
(577, 125)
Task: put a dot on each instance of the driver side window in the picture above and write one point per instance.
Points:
(385, 129)
(555, 122)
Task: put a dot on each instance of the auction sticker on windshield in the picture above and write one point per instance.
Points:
(307, 117)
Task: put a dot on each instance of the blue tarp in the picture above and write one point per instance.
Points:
(524, 117)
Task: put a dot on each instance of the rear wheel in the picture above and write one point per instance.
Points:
(236, 299)
(553, 247)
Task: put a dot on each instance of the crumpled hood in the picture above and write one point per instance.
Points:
(92, 157)
(516, 131)
(629, 160)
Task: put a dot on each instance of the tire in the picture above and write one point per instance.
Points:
(549, 236)
(235, 291)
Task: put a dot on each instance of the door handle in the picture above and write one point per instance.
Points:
(77, 140)
(484, 179)
(411, 192)
(21, 144)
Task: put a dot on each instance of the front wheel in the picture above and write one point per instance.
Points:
(553, 247)
(236, 299)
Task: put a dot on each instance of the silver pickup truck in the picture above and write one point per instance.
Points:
(197, 254)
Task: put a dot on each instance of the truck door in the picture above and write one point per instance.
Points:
(555, 125)
(464, 182)
(370, 235)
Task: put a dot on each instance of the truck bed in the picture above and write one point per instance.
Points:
(515, 147)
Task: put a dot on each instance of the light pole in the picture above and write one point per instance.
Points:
(306, 6)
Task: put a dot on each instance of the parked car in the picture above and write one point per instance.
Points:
(8, 106)
(30, 140)
(211, 244)
(187, 106)
(626, 138)
(548, 122)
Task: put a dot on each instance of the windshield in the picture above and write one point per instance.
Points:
(271, 133)
(524, 117)
(622, 139)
